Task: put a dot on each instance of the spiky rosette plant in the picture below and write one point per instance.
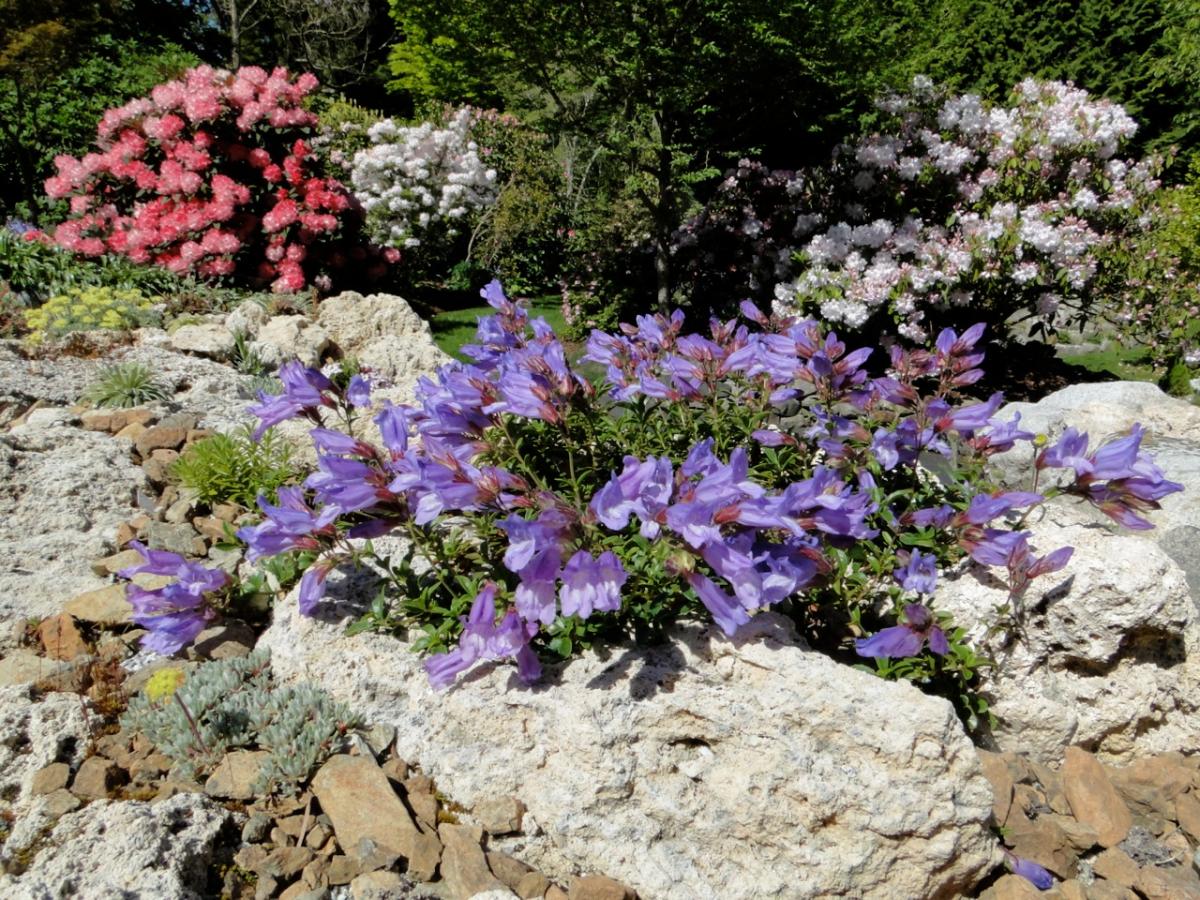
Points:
(756, 466)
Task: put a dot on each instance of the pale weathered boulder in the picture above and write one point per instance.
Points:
(126, 849)
(34, 734)
(247, 317)
(285, 338)
(63, 491)
(705, 767)
(1107, 652)
(211, 339)
(384, 334)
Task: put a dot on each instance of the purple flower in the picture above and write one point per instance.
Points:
(483, 639)
(726, 611)
(1031, 871)
(591, 584)
(303, 391)
(535, 595)
(529, 537)
(358, 392)
(907, 638)
(289, 526)
(1068, 452)
(173, 614)
(394, 422)
(643, 488)
(312, 586)
(918, 571)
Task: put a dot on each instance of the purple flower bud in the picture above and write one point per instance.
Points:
(1031, 871)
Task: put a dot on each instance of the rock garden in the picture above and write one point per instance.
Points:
(501, 480)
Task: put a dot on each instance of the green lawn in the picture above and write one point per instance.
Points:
(455, 327)
(1126, 363)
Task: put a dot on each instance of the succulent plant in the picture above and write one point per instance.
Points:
(125, 385)
(233, 704)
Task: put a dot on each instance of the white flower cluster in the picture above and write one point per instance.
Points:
(415, 181)
(1002, 207)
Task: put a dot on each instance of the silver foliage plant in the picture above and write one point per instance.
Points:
(235, 704)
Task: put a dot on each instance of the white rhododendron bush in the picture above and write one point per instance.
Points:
(422, 182)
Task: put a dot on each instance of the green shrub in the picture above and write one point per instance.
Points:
(125, 385)
(234, 468)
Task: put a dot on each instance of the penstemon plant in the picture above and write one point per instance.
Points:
(668, 476)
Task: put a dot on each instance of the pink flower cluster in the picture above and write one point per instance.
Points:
(208, 175)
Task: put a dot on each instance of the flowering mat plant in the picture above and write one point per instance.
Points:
(671, 475)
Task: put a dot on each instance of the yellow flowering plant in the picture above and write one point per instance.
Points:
(88, 309)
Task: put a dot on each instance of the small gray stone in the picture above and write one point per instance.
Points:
(501, 815)
(380, 738)
(225, 641)
(256, 828)
(59, 803)
(178, 538)
(105, 606)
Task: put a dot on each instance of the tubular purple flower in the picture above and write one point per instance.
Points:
(1067, 452)
(726, 612)
(312, 586)
(358, 392)
(303, 390)
(591, 584)
(483, 639)
(528, 537)
(173, 614)
(917, 572)
(394, 422)
(537, 593)
(1039, 877)
(642, 487)
(906, 639)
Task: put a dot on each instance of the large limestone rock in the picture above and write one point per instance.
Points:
(383, 333)
(126, 849)
(283, 338)
(63, 491)
(209, 338)
(1107, 653)
(703, 768)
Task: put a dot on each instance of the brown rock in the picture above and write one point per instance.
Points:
(235, 775)
(996, 771)
(210, 527)
(1030, 800)
(1042, 841)
(266, 887)
(360, 802)
(96, 420)
(158, 466)
(554, 892)
(599, 887)
(1168, 884)
(396, 769)
(376, 886)
(1108, 890)
(343, 869)
(1094, 801)
(418, 791)
(111, 565)
(133, 431)
(122, 418)
(1072, 890)
(500, 815)
(285, 862)
(464, 866)
(1187, 814)
(1149, 785)
(171, 788)
(508, 869)
(59, 803)
(104, 606)
(159, 437)
(1052, 788)
(154, 766)
(295, 891)
(125, 534)
(1115, 865)
(1080, 837)
(119, 748)
(316, 873)
(250, 857)
(61, 638)
(225, 641)
(533, 886)
(95, 778)
(316, 837)
(53, 777)
(23, 667)
(198, 434)
(1009, 887)
(227, 512)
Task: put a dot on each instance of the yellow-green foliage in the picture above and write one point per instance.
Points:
(88, 309)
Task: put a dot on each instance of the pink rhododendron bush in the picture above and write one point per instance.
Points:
(213, 175)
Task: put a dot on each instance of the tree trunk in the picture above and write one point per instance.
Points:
(664, 221)
(235, 34)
